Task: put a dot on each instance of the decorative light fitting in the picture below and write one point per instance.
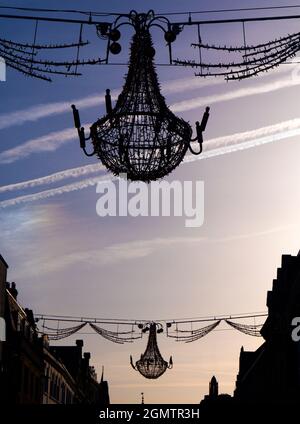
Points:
(151, 364)
(140, 136)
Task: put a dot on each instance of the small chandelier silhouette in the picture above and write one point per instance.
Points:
(140, 136)
(151, 364)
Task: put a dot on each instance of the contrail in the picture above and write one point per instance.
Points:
(35, 113)
(242, 146)
(51, 109)
(54, 178)
(55, 140)
(191, 104)
(215, 147)
(88, 182)
(210, 145)
(46, 143)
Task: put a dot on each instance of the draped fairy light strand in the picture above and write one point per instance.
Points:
(23, 58)
(253, 60)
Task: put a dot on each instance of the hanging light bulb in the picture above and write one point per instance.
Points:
(114, 35)
(140, 136)
(115, 48)
(151, 364)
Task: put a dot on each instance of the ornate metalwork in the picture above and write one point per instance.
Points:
(140, 136)
(151, 364)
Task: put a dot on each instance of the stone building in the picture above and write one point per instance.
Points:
(272, 372)
(34, 372)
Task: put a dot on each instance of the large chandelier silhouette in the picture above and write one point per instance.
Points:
(140, 136)
(151, 364)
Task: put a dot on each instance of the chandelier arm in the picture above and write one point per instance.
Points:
(132, 364)
(88, 154)
(122, 15)
(80, 131)
(159, 26)
(124, 23)
(200, 128)
(193, 151)
(159, 18)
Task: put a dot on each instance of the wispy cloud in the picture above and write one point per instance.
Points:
(136, 249)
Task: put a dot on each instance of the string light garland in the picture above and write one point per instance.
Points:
(61, 333)
(250, 330)
(151, 364)
(253, 60)
(116, 336)
(24, 58)
(189, 336)
(175, 328)
(105, 29)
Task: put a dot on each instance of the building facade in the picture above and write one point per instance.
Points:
(272, 372)
(34, 372)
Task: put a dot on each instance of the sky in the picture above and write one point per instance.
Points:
(67, 260)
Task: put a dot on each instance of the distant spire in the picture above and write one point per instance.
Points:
(102, 375)
(213, 387)
(143, 399)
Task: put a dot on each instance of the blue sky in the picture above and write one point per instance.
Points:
(67, 260)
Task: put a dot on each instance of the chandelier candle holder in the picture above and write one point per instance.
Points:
(152, 365)
(140, 136)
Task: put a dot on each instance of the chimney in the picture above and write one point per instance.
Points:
(79, 344)
(13, 290)
(30, 317)
(87, 357)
